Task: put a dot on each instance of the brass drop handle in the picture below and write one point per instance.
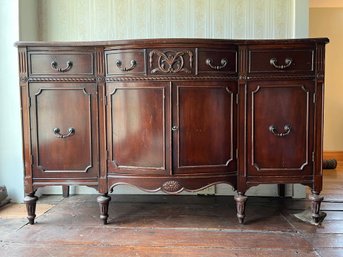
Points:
(287, 130)
(274, 61)
(54, 66)
(71, 131)
(174, 128)
(223, 63)
(133, 64)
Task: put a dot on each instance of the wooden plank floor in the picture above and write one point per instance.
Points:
(158, 225)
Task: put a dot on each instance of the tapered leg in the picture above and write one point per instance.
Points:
(240, 204)
(30, 201)
(315, 206)
(104, 201)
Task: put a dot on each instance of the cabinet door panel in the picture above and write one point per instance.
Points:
(137, 118)
(280, 128)
(204, 118)
(64, 130)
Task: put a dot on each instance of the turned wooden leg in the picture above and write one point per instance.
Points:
(315, 206)
(240, 204)
(104, 201)
(30, 201)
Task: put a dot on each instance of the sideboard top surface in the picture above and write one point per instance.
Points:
(166, 41)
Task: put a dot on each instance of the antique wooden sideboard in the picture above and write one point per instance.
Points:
(172, 115)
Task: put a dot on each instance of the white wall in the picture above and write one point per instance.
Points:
(11, 167)
(114, 19)
(11, 163)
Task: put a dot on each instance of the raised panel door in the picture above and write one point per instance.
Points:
(280, 128)
(64, 130)
(137, 117)
(204, 127)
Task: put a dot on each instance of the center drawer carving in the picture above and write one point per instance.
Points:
(171, 62)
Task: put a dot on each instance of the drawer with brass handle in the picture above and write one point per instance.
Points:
(218, 61)
(125, 62)
(61, 63)
(281, 60)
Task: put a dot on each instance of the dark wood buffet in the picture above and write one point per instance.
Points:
(172, 115)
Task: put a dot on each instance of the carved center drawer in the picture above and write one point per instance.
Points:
(125, 62)
(217, 61)
(171, 61)
(61, 63)
(281, 60)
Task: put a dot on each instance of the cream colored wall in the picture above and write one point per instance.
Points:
(325, 3)
(119, 19)
(28, 20)
(327, 22)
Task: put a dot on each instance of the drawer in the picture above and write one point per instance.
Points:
(217, 61)
(61, 63)
(171, 61)
(281, 60)
(125, 62)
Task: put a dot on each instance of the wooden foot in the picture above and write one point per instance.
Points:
(30, 201)
(104, 201)
(282, 190)
(315, 206)
(65, 190)
(240, 204)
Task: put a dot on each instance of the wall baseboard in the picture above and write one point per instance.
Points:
(338, 155)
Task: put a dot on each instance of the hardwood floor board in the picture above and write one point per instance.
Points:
(10, 226)
(331, 206)
(127, 211)
(331, 252)
(295, 204)
(333, 196)
(328, 226)
(152, 237)
(333, 215)
(16, 250)
(185, 217)
(328, 204)
(319, 240)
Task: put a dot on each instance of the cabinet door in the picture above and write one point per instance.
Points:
(137, 117)
(280, 128)
(203, 127)
(64, 130)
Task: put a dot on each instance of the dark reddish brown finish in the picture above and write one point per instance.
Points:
(171, 61)
(81, 63)
(302, 60)
(280, 104)
(203, 127)
(172, 115)
(137, 138)
(217, 61)
(58, 106)
(125, 62)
